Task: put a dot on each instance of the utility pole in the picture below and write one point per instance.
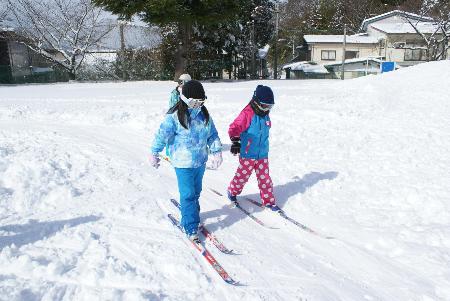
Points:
(275, 52)
(122, 49)
(253, 74)
(343, 52)
(293, 47)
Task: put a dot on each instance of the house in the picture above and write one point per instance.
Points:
(19, 64)
(127, 51)
(355, 67)
(128, 36)
(400, 41)
(323, 49)
(389, 37)
(306, 70)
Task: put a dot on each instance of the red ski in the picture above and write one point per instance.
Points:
(208, 234)
(205, 253)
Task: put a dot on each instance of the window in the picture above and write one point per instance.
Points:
(329, 55)
(415, 55)
(19, 55)
(351, 55)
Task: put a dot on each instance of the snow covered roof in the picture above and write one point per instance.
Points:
(339, 39)
(3, 29)
(134, 36)
(423, 27)
(357, 60)
(306, 67)
(7, 23)
(408, 15)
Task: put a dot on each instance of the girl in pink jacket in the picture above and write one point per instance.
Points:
(249, 134)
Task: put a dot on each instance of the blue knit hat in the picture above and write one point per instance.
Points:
(264, 94)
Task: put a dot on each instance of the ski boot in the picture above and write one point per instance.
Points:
(194, 237)
(232, 198)
(272, 207)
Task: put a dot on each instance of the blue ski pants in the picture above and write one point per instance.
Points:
(190, 187)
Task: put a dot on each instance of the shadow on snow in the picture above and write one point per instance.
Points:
(34, 230)
(282, 194)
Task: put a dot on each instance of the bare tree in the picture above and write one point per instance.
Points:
(61, 30)
(356, 11)
(441, 12)
(436, 41)
(3, 12)
(330, 15)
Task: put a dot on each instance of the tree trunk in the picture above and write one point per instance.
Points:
(72, 70)
(182, 54)
(445, 49)
(72, 75)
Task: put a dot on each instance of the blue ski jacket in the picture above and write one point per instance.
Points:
(253, 131)
(188, 148)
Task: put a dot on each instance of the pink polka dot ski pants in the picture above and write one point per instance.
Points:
(243, 173)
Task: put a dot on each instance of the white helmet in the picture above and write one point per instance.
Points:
(184, 78)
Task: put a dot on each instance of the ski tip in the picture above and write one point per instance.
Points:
(229, 252)
(229, 280)
(173, 219)
(175, 202)
(234, 283)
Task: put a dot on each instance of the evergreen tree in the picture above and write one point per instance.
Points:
(183, 14)
(225, 45)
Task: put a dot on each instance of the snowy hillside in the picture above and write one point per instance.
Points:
(366, 161)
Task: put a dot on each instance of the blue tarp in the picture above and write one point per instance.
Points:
(387, 66)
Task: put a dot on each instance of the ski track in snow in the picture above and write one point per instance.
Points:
(83, 214)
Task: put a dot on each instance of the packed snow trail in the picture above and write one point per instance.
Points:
(366, 161)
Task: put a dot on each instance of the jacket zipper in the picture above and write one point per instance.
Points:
(259, 146)
(247, 147)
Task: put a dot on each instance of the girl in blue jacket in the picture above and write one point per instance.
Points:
(189, 132)
(249, 134)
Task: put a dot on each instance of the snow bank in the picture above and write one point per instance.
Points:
(83, 216)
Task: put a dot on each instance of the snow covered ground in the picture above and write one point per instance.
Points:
(367, 161)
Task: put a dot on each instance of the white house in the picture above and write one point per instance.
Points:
(324, 49)
(389, 37)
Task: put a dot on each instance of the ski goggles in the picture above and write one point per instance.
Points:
(264, 106)
(192, 103)
(182, 82)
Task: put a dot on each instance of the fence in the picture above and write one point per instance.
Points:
(22, 75)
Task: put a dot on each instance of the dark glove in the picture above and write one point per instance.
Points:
(236, 145)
